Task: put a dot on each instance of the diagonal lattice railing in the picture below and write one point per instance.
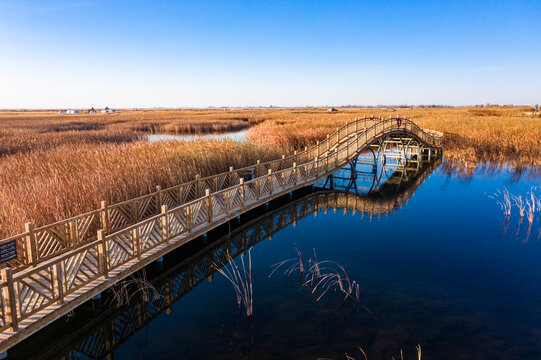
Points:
(35, 296)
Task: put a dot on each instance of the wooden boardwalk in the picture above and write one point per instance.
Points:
(110, 327)
(62, 265)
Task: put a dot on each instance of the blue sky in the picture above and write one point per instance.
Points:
(57, 54)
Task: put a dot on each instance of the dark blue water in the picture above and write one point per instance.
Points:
(441, 271)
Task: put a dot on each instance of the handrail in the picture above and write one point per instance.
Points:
(39, 244)
(63, 281)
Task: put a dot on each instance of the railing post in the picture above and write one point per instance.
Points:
(328, 143)
(270, 181)
(242, 192)
(165, 224)
(73, 232)
(105, 220)
(134, 212)
(159, 198)
(282, 162)
(59, 281)
(326, 164)
(258, 162)
(10, 306)
(31, 246)
(317, 144)
(102, 254)
(188, 219)
(295, 174)
(295, 156)
(257, 190)
(356, 125)
(209, 204)
(137, 242)
(197, 186)
(231, 176)
(316, 165)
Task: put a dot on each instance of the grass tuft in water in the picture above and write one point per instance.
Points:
(241, 279)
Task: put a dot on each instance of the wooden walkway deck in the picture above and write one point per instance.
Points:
(98, 337)
(53, 279)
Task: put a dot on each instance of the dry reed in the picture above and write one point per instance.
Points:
(528, 206)
(241, 280)
(325, 278)
(44, 186)
(363, 353)
(500, 134)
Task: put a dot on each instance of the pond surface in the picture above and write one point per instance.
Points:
(239, 136)
(435, 262)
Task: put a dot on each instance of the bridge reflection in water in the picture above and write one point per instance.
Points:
(373, 184)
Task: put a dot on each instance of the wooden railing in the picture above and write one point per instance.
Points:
(177, 282)
(65, 280)
(43, 243)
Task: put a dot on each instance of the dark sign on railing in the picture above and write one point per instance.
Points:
(8, 251)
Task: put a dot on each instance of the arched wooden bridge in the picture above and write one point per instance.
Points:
(107, 327)
(60, 266)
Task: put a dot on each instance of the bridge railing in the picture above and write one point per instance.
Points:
(54, 280)
(43, 243)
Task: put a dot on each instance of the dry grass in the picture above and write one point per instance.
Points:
(44, 186)
(240, 277)
(502, 134)
(54, 165)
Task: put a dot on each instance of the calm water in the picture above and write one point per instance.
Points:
(239, 136)
(440, 270)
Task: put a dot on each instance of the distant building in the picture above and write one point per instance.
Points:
(63, 112)
(71, 111)
(92, 111)
(108, 111)
(333, 110)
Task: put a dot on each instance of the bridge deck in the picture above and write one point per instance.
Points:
(48, 289)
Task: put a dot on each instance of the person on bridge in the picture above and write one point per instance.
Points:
(398, 122)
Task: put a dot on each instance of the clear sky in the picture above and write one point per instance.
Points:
(82, 53)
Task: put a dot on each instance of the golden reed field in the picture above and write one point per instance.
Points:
(58, 165)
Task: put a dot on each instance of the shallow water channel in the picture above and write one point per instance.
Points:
(239, 136)
(434, 258)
